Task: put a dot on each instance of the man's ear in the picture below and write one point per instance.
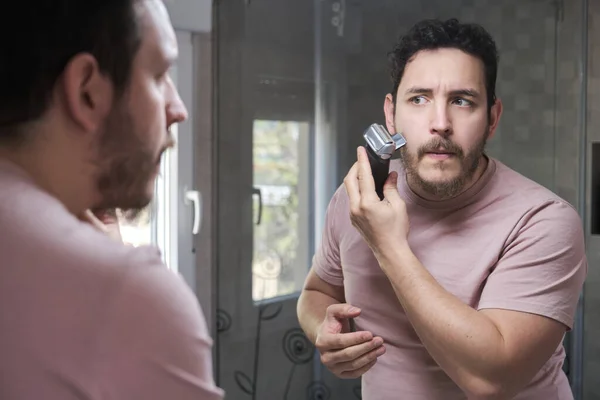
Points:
(495, 114)
(88, 93)
(389, 110)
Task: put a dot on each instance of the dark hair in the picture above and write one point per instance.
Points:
(51, 33)
(434, 34)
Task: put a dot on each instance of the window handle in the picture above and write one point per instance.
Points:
(256, 192)
(194, 198)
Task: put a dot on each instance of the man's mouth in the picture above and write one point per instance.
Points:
(440, 151)
(440, 154)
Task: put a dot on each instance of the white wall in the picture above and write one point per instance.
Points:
(191, 15)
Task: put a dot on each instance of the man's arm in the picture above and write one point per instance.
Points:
(314, 300)
(324, 317)
(318, 293)
(323, 314)
(156, 345)
(489, 353)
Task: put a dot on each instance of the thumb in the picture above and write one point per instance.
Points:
(89, 217)
(341, 311)
(390, 188)
(107, 217)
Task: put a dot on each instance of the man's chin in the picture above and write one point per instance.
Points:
(438, 176)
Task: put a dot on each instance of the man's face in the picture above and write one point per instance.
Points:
(441, 109)
(136, 132)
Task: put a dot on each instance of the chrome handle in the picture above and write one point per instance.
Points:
(194, 198)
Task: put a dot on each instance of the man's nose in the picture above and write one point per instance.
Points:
(176, 110)
(440, 120)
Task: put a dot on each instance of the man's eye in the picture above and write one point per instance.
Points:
(463, 102)
(418, 100)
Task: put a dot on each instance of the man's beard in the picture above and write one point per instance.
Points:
(126, 166)
(447, 189)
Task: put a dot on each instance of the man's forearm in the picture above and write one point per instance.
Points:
(311, 308)
(465, 343)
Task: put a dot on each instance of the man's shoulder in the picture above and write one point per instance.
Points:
(512, 186)
(40, 233)
(150, 292)
(538, 208)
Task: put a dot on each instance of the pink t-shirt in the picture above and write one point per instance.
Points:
(506, 243)
(84, 317)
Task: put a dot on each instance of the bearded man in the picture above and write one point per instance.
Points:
(464, 279)
(86, 103)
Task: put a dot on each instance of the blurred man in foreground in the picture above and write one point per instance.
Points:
(86, 103)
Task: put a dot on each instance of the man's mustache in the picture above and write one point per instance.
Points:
(439, 144)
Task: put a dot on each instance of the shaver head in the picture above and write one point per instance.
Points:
(381, 142)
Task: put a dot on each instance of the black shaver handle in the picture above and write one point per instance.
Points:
(380, 169)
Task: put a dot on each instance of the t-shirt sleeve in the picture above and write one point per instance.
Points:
(326, 261)
(543, 266)
(157, 345)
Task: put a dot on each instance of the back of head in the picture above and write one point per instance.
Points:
(51, 33)
(436, 34)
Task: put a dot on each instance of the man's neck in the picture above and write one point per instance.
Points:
(54, 173)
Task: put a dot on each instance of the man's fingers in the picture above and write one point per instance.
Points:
(359, 182)
(341, 311)
(89, 217)
(351, 184)
(107, 217)
(339, 341)
(359, 372)
(355, 353)
(104, 222)
(361, 361)
(337, 316)
(390, 188)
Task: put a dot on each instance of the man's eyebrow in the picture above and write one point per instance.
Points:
(418, 90)
(467, 92)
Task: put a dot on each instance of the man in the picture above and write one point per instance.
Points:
(86, 102)
(464, 279)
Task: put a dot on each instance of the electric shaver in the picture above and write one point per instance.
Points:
(380, 146)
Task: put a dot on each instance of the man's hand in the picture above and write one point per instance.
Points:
(105, 221)
(382, 223)
(347, 354)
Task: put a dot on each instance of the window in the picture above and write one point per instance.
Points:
(281, 180)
